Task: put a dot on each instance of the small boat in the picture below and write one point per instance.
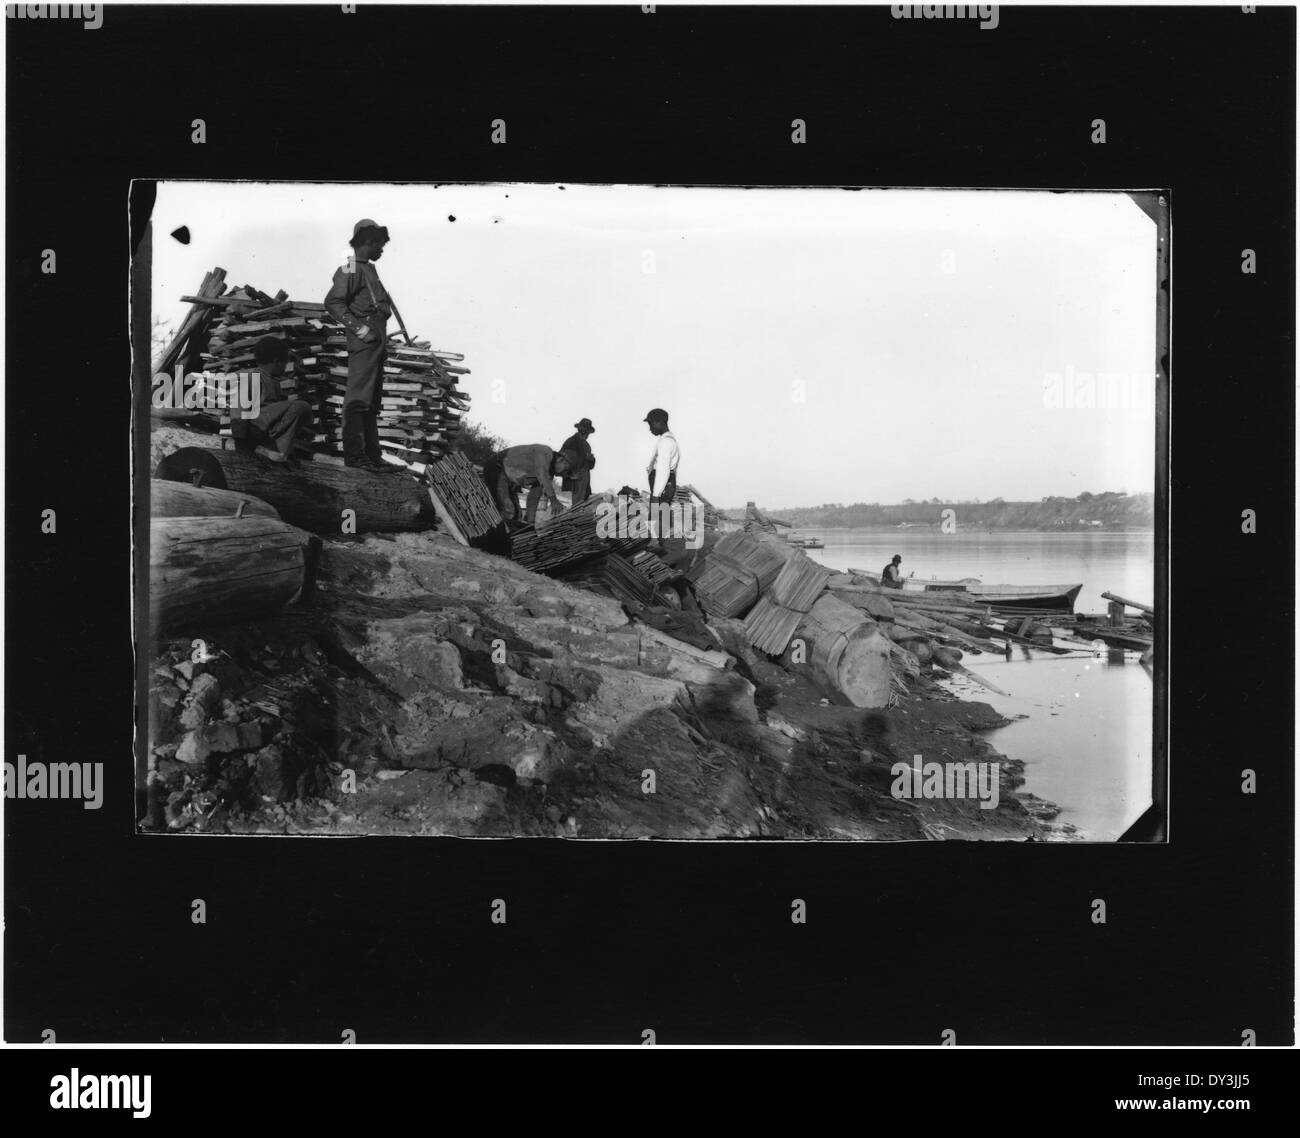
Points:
(805, 542)
(1056, 597)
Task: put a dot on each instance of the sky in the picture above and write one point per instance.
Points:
(810, 345)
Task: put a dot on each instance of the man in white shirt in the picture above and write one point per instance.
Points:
(662, 468)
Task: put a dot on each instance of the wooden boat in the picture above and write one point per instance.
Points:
(1056, 597)
(805, 542)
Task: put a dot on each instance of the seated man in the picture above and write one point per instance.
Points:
(532, 467)
(273, 432)
(890, 576)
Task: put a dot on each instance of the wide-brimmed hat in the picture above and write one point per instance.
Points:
(367, 223)
(585, 425)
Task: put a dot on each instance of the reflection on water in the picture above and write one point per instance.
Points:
(1086, 741)
(1087, 738)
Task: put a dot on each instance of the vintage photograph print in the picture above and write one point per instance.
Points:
(652, 512)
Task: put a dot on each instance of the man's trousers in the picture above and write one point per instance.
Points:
(364, 392)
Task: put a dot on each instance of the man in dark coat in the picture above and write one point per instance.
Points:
(358, 300)
(579, 481)
(890, 576)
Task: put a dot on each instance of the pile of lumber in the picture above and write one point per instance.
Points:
(191, 336)
(461, 498)
(572, 536)
(420, 414)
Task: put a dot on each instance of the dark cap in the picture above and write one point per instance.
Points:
(897, 558)
(656, 413)
(585, 425)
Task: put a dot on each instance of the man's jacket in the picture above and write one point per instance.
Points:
(358, 297)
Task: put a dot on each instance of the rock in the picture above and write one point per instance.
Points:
(624, 697)
(542, 602)
(218, 738)
(193, 750)
(734, 639)
(946, 657)
(205, 691)
(273, 775)
(727, 695)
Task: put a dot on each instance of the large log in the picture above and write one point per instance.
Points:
(181, 500)
(218, 570)
(846, 652)
(315, 495)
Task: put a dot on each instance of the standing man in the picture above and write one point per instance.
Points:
(359, 302)
(532, 467)
(281, 419)
(662, 468)
(580, 479)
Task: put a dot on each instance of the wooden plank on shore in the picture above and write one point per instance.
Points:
(445, 520)
(1130, 604)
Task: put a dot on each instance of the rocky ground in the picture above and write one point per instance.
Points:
(426, 688)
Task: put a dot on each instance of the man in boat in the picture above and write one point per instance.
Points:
(890, 576)
(532, 467)
(282, 419)
(359, 302)
(579, 480)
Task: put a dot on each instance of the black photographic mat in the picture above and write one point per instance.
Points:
(392, 940)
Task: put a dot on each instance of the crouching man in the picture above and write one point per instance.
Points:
(532, 467)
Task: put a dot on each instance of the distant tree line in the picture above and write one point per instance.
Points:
(1111, 509)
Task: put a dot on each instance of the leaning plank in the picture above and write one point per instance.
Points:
(182, 500)
(218, 570)
(1130, 604)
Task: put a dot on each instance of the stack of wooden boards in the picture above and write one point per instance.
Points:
(421, 407)
(460, 496)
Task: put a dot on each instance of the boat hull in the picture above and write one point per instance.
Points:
(1055, 597)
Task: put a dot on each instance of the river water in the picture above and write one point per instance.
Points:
(1086, 735)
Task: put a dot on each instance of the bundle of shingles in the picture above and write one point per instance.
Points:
(612, 575)
(573, 536)
(772, 622)
(461, 498)
(421, 406)
(736, 572)
(653, 568)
